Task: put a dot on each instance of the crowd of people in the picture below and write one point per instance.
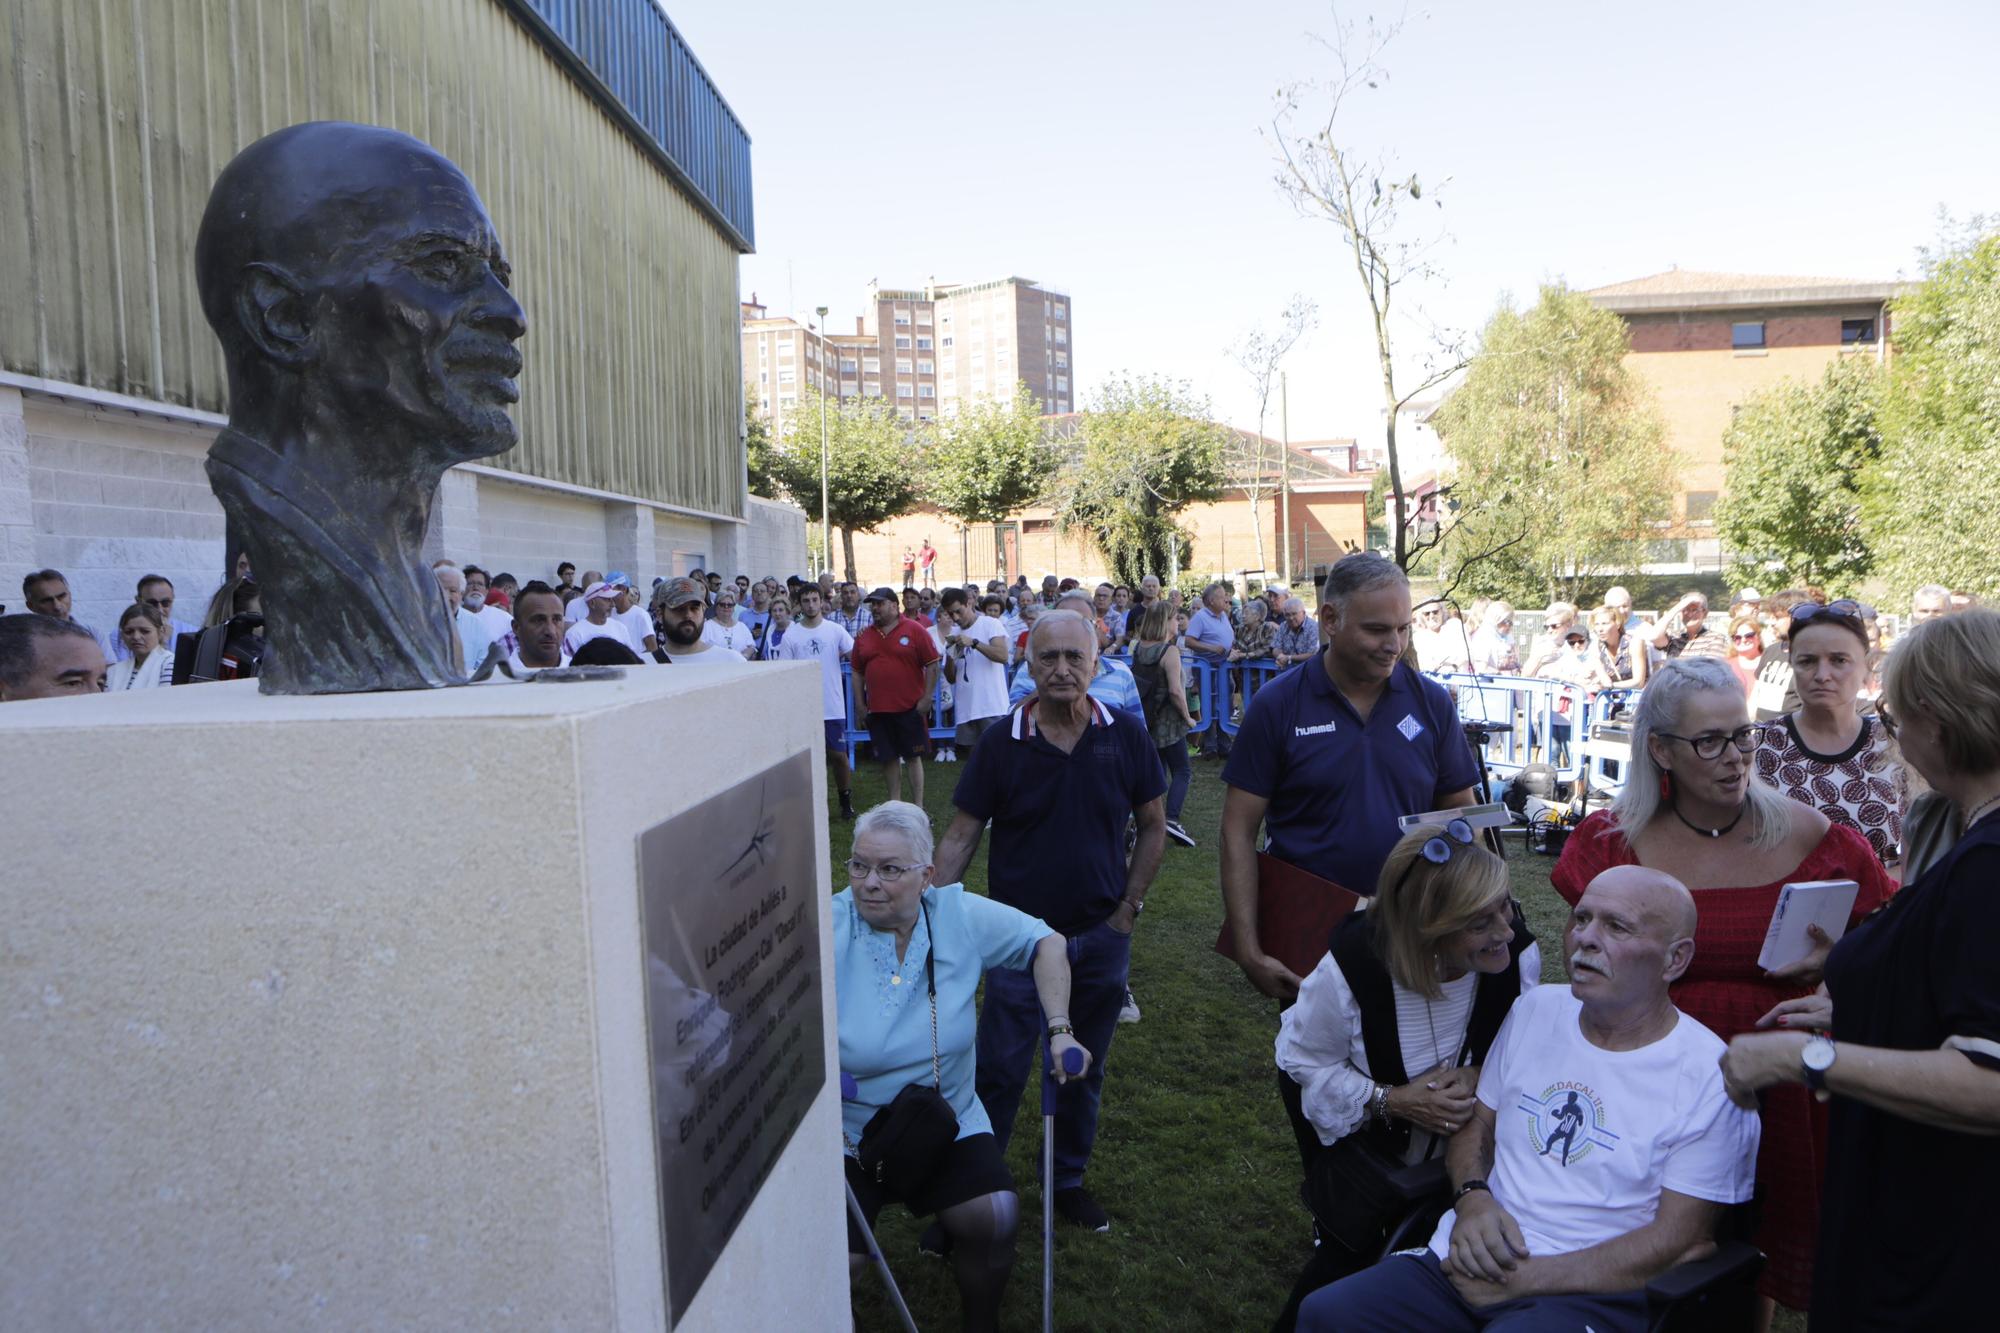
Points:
(1593, 1134)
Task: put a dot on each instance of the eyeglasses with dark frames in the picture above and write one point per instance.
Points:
(1709, 745)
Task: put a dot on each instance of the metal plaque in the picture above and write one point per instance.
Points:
(729, 903)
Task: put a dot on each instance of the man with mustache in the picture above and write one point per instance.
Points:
(1651, 1151)
(361, 299)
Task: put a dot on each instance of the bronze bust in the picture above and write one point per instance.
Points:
(361, 299)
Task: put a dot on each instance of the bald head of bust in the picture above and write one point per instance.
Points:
(361, 295)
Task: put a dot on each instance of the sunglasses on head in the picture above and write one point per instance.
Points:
(1437, 850)
(1805, 612)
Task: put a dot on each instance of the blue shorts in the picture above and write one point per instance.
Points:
(836, 736)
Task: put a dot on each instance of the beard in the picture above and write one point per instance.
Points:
(681, 633)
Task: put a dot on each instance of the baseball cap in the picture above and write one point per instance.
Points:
(882, 594)
(1576, 632)
(618, 578)
(679, 592)
(1749, 595)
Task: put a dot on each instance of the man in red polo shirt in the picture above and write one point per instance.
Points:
(895, 670)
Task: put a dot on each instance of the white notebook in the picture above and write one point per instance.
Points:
(1825, 903)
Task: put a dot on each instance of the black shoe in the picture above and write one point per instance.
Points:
(847, 805)
(1075, 1205)
(935, 1242)
(1179, 834)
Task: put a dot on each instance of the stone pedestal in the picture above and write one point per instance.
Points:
(377, 1056)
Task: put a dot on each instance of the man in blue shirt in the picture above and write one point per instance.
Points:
(1332, 754)
(1058, 779)
(1210, 636)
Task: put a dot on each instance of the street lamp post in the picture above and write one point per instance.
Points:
(825, 526)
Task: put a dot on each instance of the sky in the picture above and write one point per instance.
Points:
(1121, 151)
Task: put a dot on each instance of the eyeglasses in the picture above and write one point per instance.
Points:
(1436, 850)
(1751, 637)
(859, 870)
(1709, 744)
(159, 603)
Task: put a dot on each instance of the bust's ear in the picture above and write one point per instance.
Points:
(272, 310)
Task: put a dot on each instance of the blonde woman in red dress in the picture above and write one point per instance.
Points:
(1694, 807)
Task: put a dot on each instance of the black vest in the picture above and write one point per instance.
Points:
(1353, 947)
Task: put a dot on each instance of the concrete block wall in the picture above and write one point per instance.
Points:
(107, 494)
(113, 495)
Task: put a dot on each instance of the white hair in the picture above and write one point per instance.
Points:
(1062, 617)
(1661, 707)
(904, 820)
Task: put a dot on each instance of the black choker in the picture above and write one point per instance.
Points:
(1675, 805)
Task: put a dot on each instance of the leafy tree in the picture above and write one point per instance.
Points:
(1144, 451)
(992, 459)
(1260, 354)
(871, 476)
(1374, 210)
(757, 447)
(1559, 468)
(1929, 503)
(1796, 454)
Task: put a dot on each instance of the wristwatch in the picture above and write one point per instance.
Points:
(1817, 1057)
(1137, 905)
(1467, 1188)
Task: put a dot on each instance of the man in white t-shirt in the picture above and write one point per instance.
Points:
(577, 609)
(976, 657)
(600, 601)
(1602, 1149)
(814, 638)
(634, 617)
(684, 605)
(499, 624)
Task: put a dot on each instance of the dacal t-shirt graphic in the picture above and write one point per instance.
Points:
(1585, 1139)
(1569, 1116)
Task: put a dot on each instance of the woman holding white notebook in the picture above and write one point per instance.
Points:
(1694, 807)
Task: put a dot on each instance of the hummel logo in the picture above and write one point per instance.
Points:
(1320, 730)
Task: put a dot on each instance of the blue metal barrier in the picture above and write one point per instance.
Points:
(1248, 676)
(1547, 716)
(944, 725)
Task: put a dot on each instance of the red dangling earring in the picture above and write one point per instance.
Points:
(1666, 786)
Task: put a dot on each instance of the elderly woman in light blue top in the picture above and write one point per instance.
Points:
(886, 926)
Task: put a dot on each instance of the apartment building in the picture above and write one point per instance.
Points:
(1705, 343)
(924, 350)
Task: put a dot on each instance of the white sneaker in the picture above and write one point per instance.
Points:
(1130, 1013)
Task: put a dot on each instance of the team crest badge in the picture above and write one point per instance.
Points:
(1410, 727)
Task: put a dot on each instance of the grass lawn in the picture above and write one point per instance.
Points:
(1194, 1159)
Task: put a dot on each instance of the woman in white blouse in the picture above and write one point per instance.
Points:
(151, 663)
(1383, 1047)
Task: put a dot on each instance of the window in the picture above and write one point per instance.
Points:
(847, 365)
(1701, 506)
(927, 367)
(786, 376)
(923, 344)
(848, 390)
(947, 342)
(1062, 337)
(902, 319)
(1748, 336)
(763, 377)
(1857, 331)
(786, 399)
(902, 365)
(904, 391)
(1038, 525)
(1062, 383)
(923, 316)
(872, 364)
(1062, 360)
(873, 388)
(926, 391)
(785, 351)
(902, 342)
(1048, 309)
(1062, 311)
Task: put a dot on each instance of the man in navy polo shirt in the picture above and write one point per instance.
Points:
(1059, 778)
(1332, 753)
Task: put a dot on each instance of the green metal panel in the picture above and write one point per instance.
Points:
(119, 113)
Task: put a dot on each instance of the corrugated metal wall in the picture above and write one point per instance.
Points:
(115, 116)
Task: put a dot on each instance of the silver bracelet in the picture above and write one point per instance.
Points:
(1380, 1107)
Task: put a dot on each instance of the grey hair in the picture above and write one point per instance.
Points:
(1253, 609)
(904, 820)
(1932, 590)
(1361, 571)
(1062, 617)
(1078, 596)
(1661, 706)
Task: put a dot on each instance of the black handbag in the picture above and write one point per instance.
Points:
(1348, 1193)
(902, 1144)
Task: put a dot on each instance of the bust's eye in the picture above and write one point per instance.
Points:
(441, 265)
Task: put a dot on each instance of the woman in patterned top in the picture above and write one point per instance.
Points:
(1824, 753)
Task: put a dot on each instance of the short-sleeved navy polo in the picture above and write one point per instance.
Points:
(1337, 786)
(1058, 846)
